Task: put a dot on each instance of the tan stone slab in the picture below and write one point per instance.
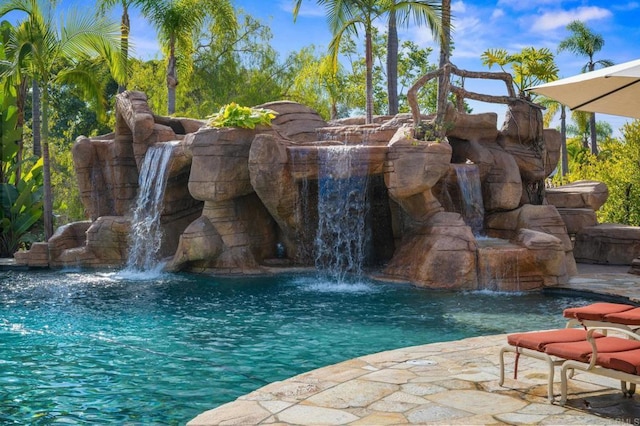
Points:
(234, 413)
(307, 415)
(390, 376)
(437, 414)
(405, 397)
(392, 406)
(339, 372)
(381, 419)
(354, 393)
(418, 389)
(290, 390)
(275, 406)
(478, 402)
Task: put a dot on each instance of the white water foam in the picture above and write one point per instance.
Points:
(342, 237)
(146, 232)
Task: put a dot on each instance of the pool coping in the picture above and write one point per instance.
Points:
(441, 383)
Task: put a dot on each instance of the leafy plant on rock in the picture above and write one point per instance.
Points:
(234, 115)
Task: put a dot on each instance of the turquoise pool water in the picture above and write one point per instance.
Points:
(87, 348)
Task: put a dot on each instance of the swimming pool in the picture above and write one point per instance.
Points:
(86, 347)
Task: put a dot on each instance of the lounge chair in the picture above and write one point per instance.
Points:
(571, 345)
(533, 344)
(623, 365)
(604, 314)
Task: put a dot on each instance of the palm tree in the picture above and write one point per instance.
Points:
(55, 57)
(399, 13)
(345, 16)
(552, 109)
(445, 51)
(176, 22)
(584, 42)
(125, 28)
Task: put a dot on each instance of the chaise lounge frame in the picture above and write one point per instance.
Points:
(569, 366)
(552, 362)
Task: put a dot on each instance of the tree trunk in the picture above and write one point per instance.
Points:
(125, 27)
(369, 80)
(172, 79)
(592, 131)
(443, 79)
(592, 120)
(334, 111)
(46, 169)
(35, 112)
(392, 63)
(20, 104)
(563, 134)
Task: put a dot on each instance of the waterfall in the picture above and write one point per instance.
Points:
(472, 207)
(498, 264)
(342, 235)
(146, 233)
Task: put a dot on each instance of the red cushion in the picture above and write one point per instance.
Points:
(537, 340)
(629, 317)
(595, 311)
(627, 361)
(581, 351)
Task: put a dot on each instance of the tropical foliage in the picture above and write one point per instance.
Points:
(177, 22)
(20, 194)
(618, 166)
(56, 54)
(234, 115)
(584, 42)
(530, 66)
(346, 17)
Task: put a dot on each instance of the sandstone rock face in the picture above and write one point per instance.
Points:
(440, 254)
(219, 170)
(107, 175)
(543, 219)
(106, 243)
(295, 122)
(107, 169)
(502, 188)
(471, 127)
(234, 195)
(577, 219)
(67, 237)
(608, 244)
(532, 260)
(412, 169)
(577, 203)
(578, 195)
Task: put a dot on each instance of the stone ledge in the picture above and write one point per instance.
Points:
(612, 244)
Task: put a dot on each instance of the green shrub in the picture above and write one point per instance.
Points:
(234, 115)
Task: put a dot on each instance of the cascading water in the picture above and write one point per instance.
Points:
(342, 235)
(468, 178)
(146, 233)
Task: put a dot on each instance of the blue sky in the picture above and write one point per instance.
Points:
(478, 25)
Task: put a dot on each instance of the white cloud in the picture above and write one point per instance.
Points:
(497, 14)
(556, 19)
(526, 4)
(458, 7)
(632, 5)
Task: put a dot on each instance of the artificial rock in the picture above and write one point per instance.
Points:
(234, 196)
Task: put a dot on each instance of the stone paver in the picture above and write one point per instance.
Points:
(441, 383)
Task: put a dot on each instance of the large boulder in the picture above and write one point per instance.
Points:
(413, 168)
(578, 195)
(440, 254)
(607, 244)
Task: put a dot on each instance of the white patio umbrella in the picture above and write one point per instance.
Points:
(613, 90)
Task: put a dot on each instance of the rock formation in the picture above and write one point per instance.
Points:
(606, 243)
(236, 195)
